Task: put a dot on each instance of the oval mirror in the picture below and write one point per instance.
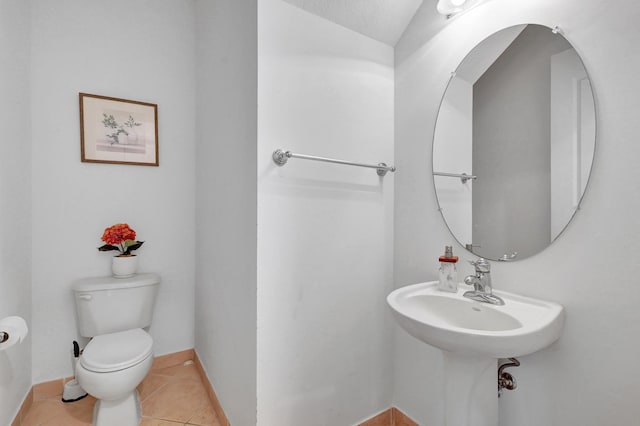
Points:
(514, 142)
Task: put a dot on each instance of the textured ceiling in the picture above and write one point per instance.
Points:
(382, 20)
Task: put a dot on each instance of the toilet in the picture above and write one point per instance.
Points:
(113, 312)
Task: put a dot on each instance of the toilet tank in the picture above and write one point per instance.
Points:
(107, 305)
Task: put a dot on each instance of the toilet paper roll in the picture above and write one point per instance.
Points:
(16, 328)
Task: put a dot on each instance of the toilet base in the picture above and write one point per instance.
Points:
(122, 412)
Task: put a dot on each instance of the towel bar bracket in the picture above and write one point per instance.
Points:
(280, 157)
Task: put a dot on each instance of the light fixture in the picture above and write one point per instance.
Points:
(452, 7)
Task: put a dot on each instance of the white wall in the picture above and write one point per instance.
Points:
(590, 376)
(142, 50)
(15, 186)
(324, 230)
(227, 202)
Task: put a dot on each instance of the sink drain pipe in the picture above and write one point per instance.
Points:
(506, 380)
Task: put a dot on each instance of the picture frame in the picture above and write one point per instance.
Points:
(118, 131)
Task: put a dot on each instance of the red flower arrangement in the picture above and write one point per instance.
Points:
(122, 238)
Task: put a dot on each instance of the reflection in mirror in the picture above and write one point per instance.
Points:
(519, 116)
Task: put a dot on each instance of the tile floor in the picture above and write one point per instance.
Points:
(170, 396)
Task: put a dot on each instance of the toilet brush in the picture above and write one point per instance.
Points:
(72, 391)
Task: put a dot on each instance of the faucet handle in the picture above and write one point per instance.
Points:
(482, 265)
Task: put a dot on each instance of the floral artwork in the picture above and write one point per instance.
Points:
(118, 131)
(114, 130)
(120, 237)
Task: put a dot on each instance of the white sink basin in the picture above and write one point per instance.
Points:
(472, 336)
(457, 324)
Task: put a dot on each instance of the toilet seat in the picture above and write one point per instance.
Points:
(116, 351)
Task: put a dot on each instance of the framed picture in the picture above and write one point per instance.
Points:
(118, 131)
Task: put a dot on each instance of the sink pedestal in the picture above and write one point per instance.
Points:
(471, 390)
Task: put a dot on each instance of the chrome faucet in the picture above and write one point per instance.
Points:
(481, 283)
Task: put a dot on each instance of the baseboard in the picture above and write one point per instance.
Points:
(22, 412)
(217, 407)
(172, 359)
(383, 419)
(46, 390)
(390, 417)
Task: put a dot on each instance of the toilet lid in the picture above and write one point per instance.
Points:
(116, 351)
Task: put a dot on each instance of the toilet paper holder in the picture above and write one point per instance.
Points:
(13, 330)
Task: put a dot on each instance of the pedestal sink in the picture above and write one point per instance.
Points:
(473, 336)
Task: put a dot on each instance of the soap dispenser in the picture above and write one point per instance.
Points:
(448, 271)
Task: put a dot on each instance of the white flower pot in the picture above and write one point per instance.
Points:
(124, 266)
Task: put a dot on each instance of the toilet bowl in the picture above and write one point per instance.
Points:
(115, 312)
(110, 368)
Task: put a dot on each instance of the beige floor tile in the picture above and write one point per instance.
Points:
(177, 401)
(87, 400)
(48, 389)
(171, 396)
(147, 421)
(204, 416)
(52, 412)
(151, 384)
